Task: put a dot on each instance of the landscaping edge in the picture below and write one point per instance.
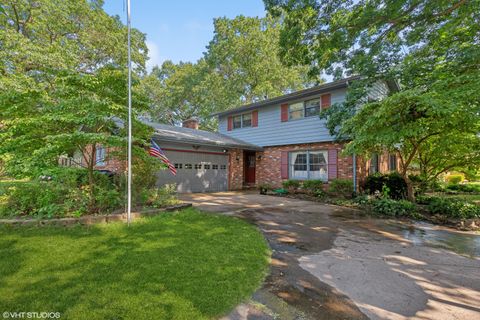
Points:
(93, 219)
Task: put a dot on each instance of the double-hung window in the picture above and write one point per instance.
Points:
(242, 121)
(374, 164)
(312, 108)
(100, 155)
(295, 111)
(308, 165)
(392, 162)
(304, 109)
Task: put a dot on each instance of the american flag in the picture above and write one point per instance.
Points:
(155, 151)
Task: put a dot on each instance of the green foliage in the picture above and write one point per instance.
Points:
(291, 184)
(241, 66)
(454, 178)
(393, 208)
(162, 197)
(469, 188)
(428, 46)
(453, 208)
(62, 83)
(264, 188)
(313, 186)
(341, 187)
(375, 183)
(66, 194)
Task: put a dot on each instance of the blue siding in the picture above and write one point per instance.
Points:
(271, 131)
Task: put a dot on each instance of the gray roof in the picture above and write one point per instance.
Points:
(291, 96)
(323, 88)
(169, 133)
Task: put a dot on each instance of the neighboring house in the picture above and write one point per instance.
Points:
(266, 143)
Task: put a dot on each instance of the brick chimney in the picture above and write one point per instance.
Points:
(190, 123)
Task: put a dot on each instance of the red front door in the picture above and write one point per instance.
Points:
(249, 167)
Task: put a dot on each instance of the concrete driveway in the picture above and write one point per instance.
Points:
(330, 262)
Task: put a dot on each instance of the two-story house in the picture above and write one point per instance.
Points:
(267, 142)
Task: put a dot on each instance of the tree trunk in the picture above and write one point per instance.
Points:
(410, 191)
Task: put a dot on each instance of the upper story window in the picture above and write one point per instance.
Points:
(304, 109)
(100, 154)
(242, 121)
(312, 107)
(295, 111)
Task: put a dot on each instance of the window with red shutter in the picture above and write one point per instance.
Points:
(326, 100)
(284, 112)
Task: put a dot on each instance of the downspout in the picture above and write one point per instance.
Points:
(354, 174)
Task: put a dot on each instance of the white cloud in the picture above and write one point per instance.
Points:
(154, 57)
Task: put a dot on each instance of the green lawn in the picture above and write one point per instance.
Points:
(184, 265)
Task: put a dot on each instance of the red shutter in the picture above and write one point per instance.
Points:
(255, 118)
(284, 165)
(284, 112)
(230, 123)
(332, 164)
(326, 100)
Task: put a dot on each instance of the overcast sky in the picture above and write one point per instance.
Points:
(179, 30)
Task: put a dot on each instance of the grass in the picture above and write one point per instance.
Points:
(183, 265)
(463, 196)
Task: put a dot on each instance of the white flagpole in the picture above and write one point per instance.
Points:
(129, 183)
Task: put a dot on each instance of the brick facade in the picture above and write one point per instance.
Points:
(236, 169)
(268, 165)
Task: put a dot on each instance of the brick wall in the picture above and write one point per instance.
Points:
(236, 169)
(268, 167)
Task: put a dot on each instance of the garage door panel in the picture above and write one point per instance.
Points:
(201, 179)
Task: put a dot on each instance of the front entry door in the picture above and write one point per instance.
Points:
(249, 167)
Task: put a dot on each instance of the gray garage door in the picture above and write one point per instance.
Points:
(196, 172)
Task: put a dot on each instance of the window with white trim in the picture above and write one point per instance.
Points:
(304, 109)
(308, 165)
(392, 162)
(374, 164)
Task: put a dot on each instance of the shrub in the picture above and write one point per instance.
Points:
(394, 208)
(341, 187)
(162, 197)
(454, 178)
(291, 184)
(469, 188)
(454, 208)
(313, 186)
(393, 181)
(264, 188)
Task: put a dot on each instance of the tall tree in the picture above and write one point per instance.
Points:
(431, 47)
(241, 65)
(62, 80)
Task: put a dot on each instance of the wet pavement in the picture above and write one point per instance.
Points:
(330, 262)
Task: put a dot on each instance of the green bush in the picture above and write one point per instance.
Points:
(291, 184)
(313, 186)
(393, 181)
(468, 188)
(454, 208)
(264, 188)
(341, 187)
(162, 197)
(61, 194)
(454, 178)
(394, 208)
